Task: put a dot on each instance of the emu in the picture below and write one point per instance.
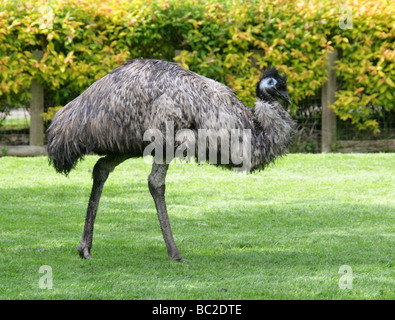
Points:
(112, 115)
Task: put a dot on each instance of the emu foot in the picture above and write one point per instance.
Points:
(177, 257)
(84, 251)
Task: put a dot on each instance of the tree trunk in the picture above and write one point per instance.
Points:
(36, 134)
(328, 129)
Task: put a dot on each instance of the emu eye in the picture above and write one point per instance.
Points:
(267, 83)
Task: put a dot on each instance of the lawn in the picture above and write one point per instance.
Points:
(15, 124)
(282, 233)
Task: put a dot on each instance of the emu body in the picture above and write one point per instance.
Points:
(112, 115)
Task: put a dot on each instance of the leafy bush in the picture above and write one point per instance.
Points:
(230, 41)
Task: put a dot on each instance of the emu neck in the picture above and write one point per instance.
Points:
(265, 97)
(278, 128)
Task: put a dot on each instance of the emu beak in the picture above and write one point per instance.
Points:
(285, 97)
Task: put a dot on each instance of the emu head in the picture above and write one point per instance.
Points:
(272, 86)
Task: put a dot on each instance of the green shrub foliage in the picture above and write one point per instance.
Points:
(230, 41)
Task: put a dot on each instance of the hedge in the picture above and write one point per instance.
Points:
(230, 41)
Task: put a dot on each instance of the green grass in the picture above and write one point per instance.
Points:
(279, 234)
(14, 124)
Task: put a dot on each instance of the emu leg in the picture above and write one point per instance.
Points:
(101, 171)
(156, 184)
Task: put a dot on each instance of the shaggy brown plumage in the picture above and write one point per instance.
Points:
(111, 116)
